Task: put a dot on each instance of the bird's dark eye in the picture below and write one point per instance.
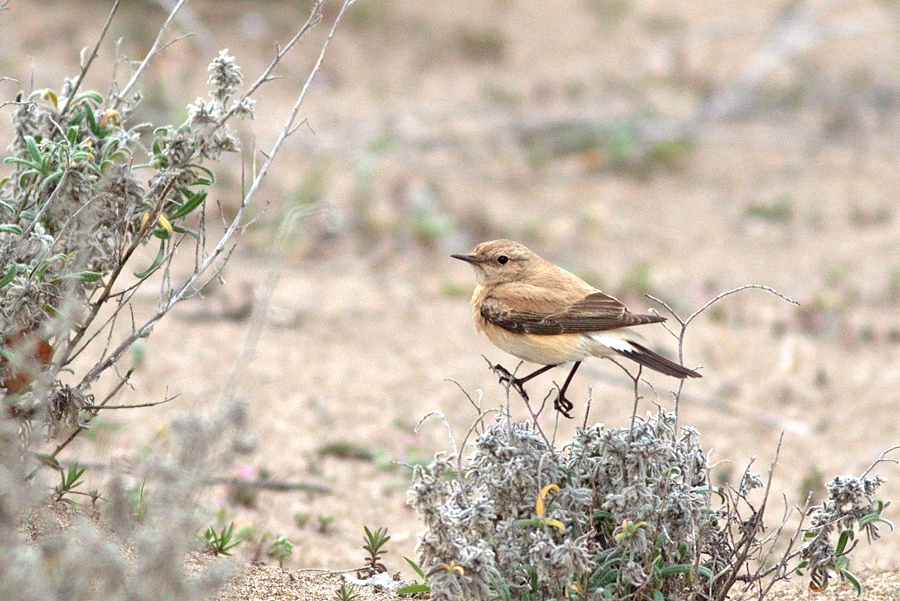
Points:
(503, 259)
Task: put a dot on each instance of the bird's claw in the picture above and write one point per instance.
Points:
(563, 405)
(507, 379)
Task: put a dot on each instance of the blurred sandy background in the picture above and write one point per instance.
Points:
(675, 148)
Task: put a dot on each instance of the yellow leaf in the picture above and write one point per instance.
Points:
(555, 524)
(546, 490)
(167, 225)
(51, 95)
(452, 567)
(539, 504)
(110, 115)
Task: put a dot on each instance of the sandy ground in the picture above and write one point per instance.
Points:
(436, 125)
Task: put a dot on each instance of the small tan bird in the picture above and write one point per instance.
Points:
(541, 313)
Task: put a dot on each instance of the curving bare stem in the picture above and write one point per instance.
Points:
(684, 323)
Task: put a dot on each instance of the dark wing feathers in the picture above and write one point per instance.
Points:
(594, 313)
(641, 354)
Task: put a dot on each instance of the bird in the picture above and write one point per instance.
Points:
(541, 313)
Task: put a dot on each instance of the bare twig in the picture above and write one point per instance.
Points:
(440, 415)
(684, 323)
(87, 64)
(151, 54)
(881, 459)
(749, 533)
(137, 405)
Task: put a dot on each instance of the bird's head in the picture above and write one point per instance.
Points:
(500, 261)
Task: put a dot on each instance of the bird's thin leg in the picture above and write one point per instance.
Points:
(562, 404)
(516, 383)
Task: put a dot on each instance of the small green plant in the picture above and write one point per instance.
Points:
(779, 211)
(68, 481)
(221, 543)
(345, 593)
(417, 587)
(323, 522)
(282, 548)
(373, 546)
(301, 518)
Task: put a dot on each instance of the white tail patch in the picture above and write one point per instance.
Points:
(612, 340)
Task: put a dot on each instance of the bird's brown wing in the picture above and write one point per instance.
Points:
(594, 313)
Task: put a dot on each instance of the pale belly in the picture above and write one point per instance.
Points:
(542, 349)
(559, 348)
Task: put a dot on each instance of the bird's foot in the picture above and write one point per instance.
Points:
(509, 380)
(563, 405)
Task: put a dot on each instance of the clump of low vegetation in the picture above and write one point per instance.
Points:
(88, 185)
(622, 513)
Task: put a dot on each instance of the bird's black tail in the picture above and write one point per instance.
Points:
(641, 354)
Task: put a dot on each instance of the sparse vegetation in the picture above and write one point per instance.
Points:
(90, 186)
(445, 126)
(624, 513)
(282, 548)
(374, 547)
(221, 543)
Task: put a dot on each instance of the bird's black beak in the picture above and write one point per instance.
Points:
(467, 258)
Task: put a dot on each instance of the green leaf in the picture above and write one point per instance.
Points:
(206, 170)
(90, 276)
(83, 276)
(713, 491)
(89, 95)
(162, 233)
(852, 579)
(92, 120)
(156, 262)
(10, 228)
(38, 273)
(10, 275)
(33, 149)
(845, 537)
(18, 161)
(416, 567)
(194, 200)
(413, 588)
(183, 230)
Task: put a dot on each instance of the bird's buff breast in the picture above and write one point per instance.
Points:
(542, 349)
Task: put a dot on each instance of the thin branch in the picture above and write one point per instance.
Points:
(587, 407)
(749, 535)
(90, 60)
(477, 405)
(444, 421)
(315, 16)
(684, 323)
(473, 428)
(154, 50)
(81, 429)
(881, 459)
(137, 406)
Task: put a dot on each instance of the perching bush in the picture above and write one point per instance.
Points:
(625, 513)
